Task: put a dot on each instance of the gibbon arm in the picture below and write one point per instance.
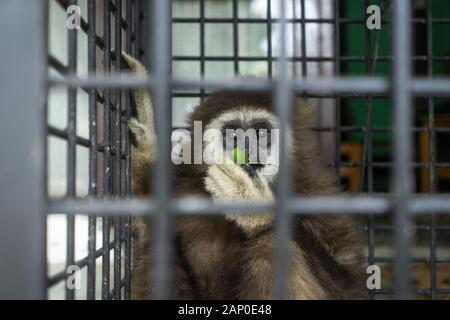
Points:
(142, 130)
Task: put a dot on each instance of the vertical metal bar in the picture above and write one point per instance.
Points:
(303, 34)
(235, 37)
(71, 150)
(269, 38)
(22, 230)
(107, 152)
(366, 161)
(202, 44)
(92, 65)
(431, 137)
(129, 30)
(402, 146)
(321, 10)
(283, 101)
(337, 71)
(136, 28)
(370, 130)
(118, 154)
(371, 218)
(367, 145)
(370, 70)
(130, 24)
(295, 37)
(145, 31)
(161, 58)
(45, 42)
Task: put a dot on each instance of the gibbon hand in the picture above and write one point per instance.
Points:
(228, 182)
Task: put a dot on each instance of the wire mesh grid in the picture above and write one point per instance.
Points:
(109, 158)
(373, 57)
(109, 155)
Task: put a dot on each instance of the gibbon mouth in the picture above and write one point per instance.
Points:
(252, 168)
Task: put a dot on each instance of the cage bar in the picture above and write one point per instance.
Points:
(283, 107)
(71, 149)
(93, 152)
(118, 150)
(269, 38)
(235, 37)
(303, 38)
(337, 71)
(431, 135)
(202, 45)
(131, 46)
(402, 147)
(404, 203)
(360, 205)
(23, 222)
(161, 61)
(106, 219)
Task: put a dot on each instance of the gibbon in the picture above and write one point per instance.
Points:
(231, 256)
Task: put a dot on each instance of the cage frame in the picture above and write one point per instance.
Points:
(30, 215)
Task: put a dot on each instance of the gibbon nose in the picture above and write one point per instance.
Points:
(251, 151)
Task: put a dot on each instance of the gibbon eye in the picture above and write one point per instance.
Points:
(262, 133)
(231, 135)
(264, 140)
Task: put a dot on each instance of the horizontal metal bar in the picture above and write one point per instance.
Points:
(343, 85)
(421, 291)
(430, 204)
(353, 85)
(340, 205)
(237, 83)
(415, 260)
(363, 129)
(431, 86)
(80, 141)
(415, 227)
(377, 164)
(110, 207)
(63, 69)
(273, 58)
(297, 20)
(62, 275)
(188, 205)
(98, 81)
(376, 204)
(331, 84)
(391, 260)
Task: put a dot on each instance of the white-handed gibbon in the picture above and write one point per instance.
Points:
(231, 256)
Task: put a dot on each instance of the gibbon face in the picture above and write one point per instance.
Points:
(250, 137)
(244, 129)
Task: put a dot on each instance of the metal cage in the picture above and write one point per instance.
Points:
(125, 25)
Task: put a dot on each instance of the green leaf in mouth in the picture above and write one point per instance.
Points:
(240, 156)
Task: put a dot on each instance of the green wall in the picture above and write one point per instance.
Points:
(354, 110)
(354, 44)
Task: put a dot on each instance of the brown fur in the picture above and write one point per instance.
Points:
(226, 257)
(215, 259)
